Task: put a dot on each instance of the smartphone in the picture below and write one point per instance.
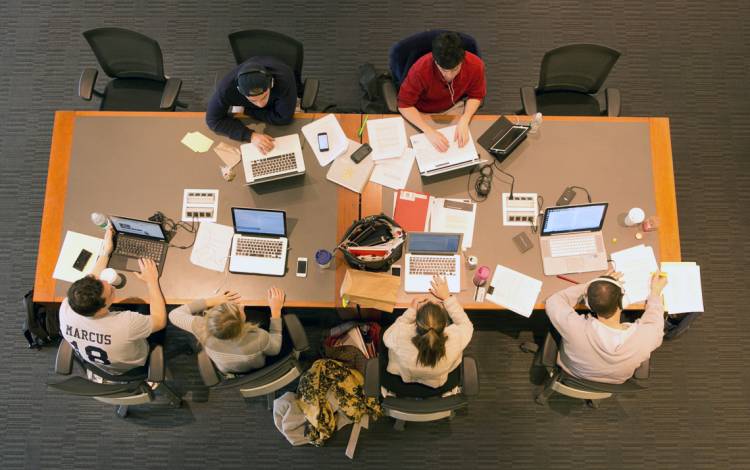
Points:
(361, 153)
(82, 259)
(323, 141)
(396, 270)
(301, 267)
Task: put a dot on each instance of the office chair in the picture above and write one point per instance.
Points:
(134, 62)
(276, 375)
(404, 53)
(135, 387)
(568, 79)
(676, 325)
(260, 42)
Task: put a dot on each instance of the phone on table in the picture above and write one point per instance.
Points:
(323, 141)
(82, 260)
(361, 153)
(301, 267)
(396, 270)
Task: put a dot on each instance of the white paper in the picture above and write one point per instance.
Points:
(387, 137)
(637, 265)
(454, 219)
(71, 248)
(200, 205)
(211, 247)
(197, 142)
(428, 157)
(394, 172)
(349, 174)
(513, 290)
(337, 140)
(683, 292)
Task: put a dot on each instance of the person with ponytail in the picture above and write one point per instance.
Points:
(426, 343)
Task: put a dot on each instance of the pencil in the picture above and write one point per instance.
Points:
(568, 279)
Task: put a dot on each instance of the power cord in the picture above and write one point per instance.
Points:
(171, 227)
(588, 196)
(483, 184)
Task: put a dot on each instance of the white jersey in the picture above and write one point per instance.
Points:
(115, 342)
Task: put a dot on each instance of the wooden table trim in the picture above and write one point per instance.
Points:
(664, 189)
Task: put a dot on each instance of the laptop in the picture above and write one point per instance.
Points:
(502, 137)
(134, 239)
(428, 254)
(433, 162)
(283, 161)
(571, 239)
(259, 244)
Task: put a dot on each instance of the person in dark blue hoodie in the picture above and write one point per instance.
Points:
(265, 87)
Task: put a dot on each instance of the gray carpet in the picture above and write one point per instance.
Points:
(685, 60)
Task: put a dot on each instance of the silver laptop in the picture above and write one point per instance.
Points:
(432, 162)
(428, 254)
(259, 244)
(283, 161)
(571, 239)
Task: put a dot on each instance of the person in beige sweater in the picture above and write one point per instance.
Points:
(423, 346)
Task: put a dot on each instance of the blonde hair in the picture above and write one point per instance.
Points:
(226, 321)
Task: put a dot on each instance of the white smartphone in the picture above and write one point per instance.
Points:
(323, 141)
(301, 267)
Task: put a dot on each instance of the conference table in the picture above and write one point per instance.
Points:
(132, 164)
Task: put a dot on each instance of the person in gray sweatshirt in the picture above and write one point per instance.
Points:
(598, 347)
(234, 345)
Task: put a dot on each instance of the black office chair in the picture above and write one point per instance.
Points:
(136, 387)
(277, 374)
(134, 62)
(404, 53)
(260, 42)
(677, 325)
(569, 78)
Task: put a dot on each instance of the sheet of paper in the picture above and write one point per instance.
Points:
(636, 264)
(394, 172)
(337, 140)
(71, 248)
(229, 154)
(387, 137)
(345, 172)
(454, 216)
(211, 247)
(197, 142)
(683, 292)
(513, 290)
(428, 156)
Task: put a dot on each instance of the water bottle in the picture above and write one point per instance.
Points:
(536, 123)
(100, 220)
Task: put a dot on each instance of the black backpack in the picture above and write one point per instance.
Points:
(371, 84)
(42, 325)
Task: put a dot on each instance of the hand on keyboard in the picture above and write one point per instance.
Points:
(264, 142)
(440, 288)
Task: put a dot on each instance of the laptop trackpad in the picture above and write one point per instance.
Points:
(574, 265)
(132, 265)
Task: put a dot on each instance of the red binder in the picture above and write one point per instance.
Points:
(412, 210)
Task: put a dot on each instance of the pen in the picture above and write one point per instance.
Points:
(568, 279)
(362, 127)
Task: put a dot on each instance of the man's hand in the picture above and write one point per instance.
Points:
(108, 245)
(440, 288)
(228, 297)
(149, 273)
(264, 142)
(275, 297)
(658, 282)
(437, 140)
(461, 136)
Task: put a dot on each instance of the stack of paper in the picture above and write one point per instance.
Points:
(637, 265)
(74, 246)
(387, 137)
(453, 216)
(513, 290)
(337, 140)
(394, 172)
(197, 142)
(428, 156)
(683, 292)
(211, 247)
(347, 173)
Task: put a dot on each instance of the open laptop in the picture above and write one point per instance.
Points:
(134, 239)
(283, 161)
(428, 254)
(433, 162)
(259, 244)
(571, 239)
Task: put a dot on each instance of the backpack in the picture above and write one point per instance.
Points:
(371, 84)
(41, 326)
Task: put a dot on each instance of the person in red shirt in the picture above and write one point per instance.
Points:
(438, 81)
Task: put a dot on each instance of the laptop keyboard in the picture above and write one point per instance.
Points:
(259, 247)
(273, 165)
(572, 246)
(431, 265)
(139, 248)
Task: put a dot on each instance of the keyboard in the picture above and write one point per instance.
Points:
(572, 246)
(284, 163)
(259, 247)
(139, 248)
(431, 265)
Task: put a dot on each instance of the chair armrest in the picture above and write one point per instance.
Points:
(207, 370)
(612, 98)
(372, 377)
(86, 83)
(156, 364)
(549, 351)
(643, 371)
(469, 376)
(390, 96)
(169, 95)
(64, 359)
(296, 332)
(528, 100)
(310, 93)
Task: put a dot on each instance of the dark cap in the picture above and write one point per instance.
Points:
(253, 82)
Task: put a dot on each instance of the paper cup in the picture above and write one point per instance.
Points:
(115, 279)
(635, 216)
(323, 258)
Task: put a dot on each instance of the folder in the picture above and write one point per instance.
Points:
(412, 210)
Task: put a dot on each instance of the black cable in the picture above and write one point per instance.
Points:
(483, 184)
(171, 227)
(512, 178)
(588, 196)
(540, 206)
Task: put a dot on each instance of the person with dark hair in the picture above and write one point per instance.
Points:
(113, 341)
(427, 341)
(599, 346)
(265, 87)
(233, 344)
(441, 81)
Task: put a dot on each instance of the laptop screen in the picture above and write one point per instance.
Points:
(259, 221)
(423, 242)
(567, 219)
(137, 227)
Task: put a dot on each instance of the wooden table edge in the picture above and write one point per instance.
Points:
(664, 189)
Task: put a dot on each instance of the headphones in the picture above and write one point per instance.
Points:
(611, 280)
(253, 68)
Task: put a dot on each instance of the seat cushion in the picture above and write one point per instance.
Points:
(567, 103)
(132, 94)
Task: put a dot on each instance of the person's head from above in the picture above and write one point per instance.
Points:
(255, 82)
(89, 296)
(448, 53)
(226, 321)
(430, 338)
(604, 297)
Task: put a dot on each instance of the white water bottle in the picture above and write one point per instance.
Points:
(100, 220)
(536, 123)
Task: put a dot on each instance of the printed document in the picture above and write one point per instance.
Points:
(683, 292)
(637, 265)
(394, 172)
(212, 244)
(387, 137)
(454, 216)
(513, 290)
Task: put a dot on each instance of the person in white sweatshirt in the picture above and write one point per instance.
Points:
(599, 347)
(423, 345)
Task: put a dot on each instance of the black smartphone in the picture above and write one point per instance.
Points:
(361, 153)
(83, 257)
(396, 270)
(323, 141)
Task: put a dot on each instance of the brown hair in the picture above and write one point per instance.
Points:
(226, 321)
(430, 339)
(604, 298)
